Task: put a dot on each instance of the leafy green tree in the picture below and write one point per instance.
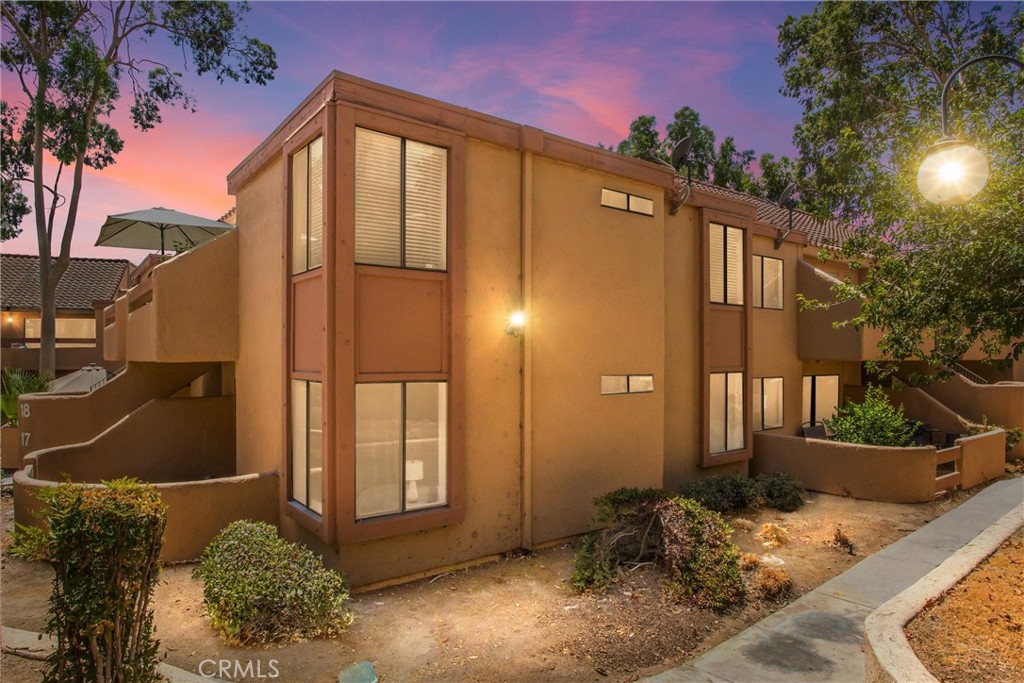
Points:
(686, 122)
(72, 60)
(869, 77)
(12, 158)
(775, 176)
(732, 167)
(644, 141)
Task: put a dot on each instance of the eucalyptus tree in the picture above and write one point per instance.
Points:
(74, 63)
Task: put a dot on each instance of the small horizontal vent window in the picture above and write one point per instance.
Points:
(613, 199)
(627, 384)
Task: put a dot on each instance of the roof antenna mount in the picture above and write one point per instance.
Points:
(681, 155)
(785, 201)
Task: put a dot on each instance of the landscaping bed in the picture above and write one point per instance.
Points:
(516, 619)
(974, 633)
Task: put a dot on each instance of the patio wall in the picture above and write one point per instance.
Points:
(894, 475)
(1001, 403)
(196, 510)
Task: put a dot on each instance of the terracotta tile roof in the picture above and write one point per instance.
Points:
(86, 280)
(819, 233)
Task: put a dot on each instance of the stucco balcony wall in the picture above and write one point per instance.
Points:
(57, 420)
(1000, 404)
(817, 337)
(115, 330)
(187, 310)
(893, 475)
(196, 510)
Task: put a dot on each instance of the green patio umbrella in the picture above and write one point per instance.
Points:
(156, 227)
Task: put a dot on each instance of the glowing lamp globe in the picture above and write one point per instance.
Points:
(952, 172)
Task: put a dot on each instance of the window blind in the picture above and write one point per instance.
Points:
(426, 209)
(378, 198)
(316, 203)
(717, 263)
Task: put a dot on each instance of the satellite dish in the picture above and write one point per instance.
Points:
(681, 152)
(786, 194)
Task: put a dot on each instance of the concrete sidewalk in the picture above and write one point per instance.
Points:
(818, 637)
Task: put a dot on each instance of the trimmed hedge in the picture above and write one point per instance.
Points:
(259, 588)
(730, 492)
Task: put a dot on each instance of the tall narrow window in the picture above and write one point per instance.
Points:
(307, 444)
(307, 200)
(726, 411)
(767, 274)
(767, 404)
(401, 202)
(401, 447)
(821, 397)
(726, 264)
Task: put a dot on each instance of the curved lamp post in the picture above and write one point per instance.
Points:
(953, 171)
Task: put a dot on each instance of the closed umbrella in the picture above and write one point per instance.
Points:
(157, 227)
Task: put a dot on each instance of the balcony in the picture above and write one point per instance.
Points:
(817, 336)
(186, 310)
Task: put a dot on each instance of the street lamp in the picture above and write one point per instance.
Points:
(953, 171)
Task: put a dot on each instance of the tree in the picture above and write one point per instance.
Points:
(72, 60)
(686, 122)
(732, 167)
(14, 168)
(644, 141)
(869, 77)
(775, 176)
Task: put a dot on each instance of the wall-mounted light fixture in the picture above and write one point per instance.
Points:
(516, 323)
(954, 171)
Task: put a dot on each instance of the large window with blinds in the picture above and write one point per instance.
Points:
(726, 411)
(726, 261)
(401, 202)
(767, 274)
(307, 192)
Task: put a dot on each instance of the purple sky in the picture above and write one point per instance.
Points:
(581, 70)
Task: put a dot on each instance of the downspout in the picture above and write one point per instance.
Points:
(526, 355)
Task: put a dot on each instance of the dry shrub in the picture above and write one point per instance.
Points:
(771, 583)
(773, 536)
(742, 524)
(841, 541)
(749, 561)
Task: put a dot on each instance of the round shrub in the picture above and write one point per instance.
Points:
(259, 588)
(781, 491)
(874, 422)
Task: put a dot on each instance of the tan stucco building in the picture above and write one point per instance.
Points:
(361, 321)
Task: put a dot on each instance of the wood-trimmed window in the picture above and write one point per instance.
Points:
(725, 251)
(767, 403)
(307, 203)
(726, 412)
(307, 449)
(820, 399)
(767, 274)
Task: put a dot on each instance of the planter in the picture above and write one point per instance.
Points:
(10, 448)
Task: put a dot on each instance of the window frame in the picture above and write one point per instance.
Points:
(629, 197)
(758, 287)
(759, 381)
(813, 396)
(743, 417)
(309, 429)
(307, 231)
(630, 380)
(726, 227)
(403, 209)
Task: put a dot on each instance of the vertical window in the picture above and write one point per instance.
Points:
(821, 398)
(307, 444)
(767, 274)
(307, 194)
(401, 447)
(726, 262)
(767, 404)
(401, 202)
(726, 411)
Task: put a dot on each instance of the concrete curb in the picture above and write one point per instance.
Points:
(888, 655)
(32, 645)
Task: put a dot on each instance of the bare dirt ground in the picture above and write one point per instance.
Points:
(975, 633)
(513, 620)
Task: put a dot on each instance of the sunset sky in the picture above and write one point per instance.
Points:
(581, 70)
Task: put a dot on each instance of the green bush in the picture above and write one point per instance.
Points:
(730, 492)
(874, 422)
(781, 491)
(259, 588)
(1014, 435)
(725, 493)
(14, 383)
(103, 544)
(688, 541)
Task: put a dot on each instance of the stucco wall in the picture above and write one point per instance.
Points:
(10, 449)
(196, 511)
(897, 475)
(1002, 404)
(598, 308)
(817, 338)
(178, 439)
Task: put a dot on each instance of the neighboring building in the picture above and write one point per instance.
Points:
(355, 333)
(88, 285)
